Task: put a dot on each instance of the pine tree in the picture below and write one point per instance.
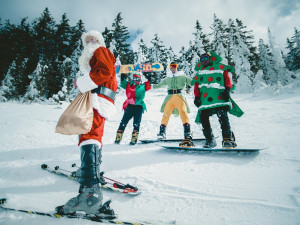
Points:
(157, 53)
(120, 35)
(219, 41)
(44, 31)
(142, 53)
(240, 57)
(264, 62)
(293, 55)
(281, 73)
(201, 41)
(63, 34)
(36, 90)
(7, 90)
(8, 49)
(107, 35)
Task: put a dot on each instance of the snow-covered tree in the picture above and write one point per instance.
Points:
(293, 56)
(280, 73)
(36, 89)
(219, 39)
(240, 57)
(201, 41)
(7, 89)
(120, 35)
(157, 53)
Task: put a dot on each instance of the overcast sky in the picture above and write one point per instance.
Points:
(172, 20)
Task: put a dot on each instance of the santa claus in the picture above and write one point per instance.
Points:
(99, 76)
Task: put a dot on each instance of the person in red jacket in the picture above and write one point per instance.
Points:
(99, 76)
(134, 106)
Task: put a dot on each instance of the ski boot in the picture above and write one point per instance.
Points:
(134, 137)
(119, 136)
(210, 139)
(88, 200)
(162, 132)
(187, 141)
(228, 140)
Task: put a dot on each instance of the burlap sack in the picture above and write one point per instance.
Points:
(78, 117)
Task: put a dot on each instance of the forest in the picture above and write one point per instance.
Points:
(39, 59)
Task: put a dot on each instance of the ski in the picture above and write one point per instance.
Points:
(72, 216)
(148, 141)
(211, 149)
(106, 182)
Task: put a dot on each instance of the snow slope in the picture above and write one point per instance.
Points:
(191, 188)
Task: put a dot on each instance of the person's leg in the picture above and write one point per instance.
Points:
(90, 195)
(128, 114)
(137, 118)
(207, 131)
(169, 107)
(227, 134)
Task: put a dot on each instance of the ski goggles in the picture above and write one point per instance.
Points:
(204, 58)
(136, 78)
(173, 65)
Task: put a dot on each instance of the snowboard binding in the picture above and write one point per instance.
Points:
(187, 143)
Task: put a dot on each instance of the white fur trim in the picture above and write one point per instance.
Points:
(104, 107)
(95, 34)
(178, 73)
(205, 72)
(216, 104)
(85, 83)
(91, 142)
(213, 85)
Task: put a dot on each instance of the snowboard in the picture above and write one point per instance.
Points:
(148, 141)
(147, 67)
(212, 149)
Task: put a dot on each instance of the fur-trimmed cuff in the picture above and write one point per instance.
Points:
(91, 141)
(85, 83)
(104, 107)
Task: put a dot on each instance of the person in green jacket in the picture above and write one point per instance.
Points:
(134, 106)
(212, 86)
(175, 103)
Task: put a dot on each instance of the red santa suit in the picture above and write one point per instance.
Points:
(98, 67)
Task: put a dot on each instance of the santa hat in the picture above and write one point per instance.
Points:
(97, 35)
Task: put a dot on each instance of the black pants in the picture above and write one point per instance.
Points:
(135, 111)
(223, 119)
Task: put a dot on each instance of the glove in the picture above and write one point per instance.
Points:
(225, 94)
(197, 101)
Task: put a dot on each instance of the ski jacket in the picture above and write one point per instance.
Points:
(135, 93)
(175, 81)
(210, 82)
(102, 73)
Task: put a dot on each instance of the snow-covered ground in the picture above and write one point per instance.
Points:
(189, 187)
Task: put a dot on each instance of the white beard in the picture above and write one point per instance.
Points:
(86, 55)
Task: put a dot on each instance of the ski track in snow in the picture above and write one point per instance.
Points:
(189, 187)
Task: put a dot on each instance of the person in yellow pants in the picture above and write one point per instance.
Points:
(175, 103)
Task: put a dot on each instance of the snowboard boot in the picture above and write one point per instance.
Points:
(187, 141)
(210, 139)
(134, 137)
(162, 132)
(228, 139)
(119, 136)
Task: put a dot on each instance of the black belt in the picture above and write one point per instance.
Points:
(174, 91)
(105, 91)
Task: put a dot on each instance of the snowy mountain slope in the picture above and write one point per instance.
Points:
(191, 188)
